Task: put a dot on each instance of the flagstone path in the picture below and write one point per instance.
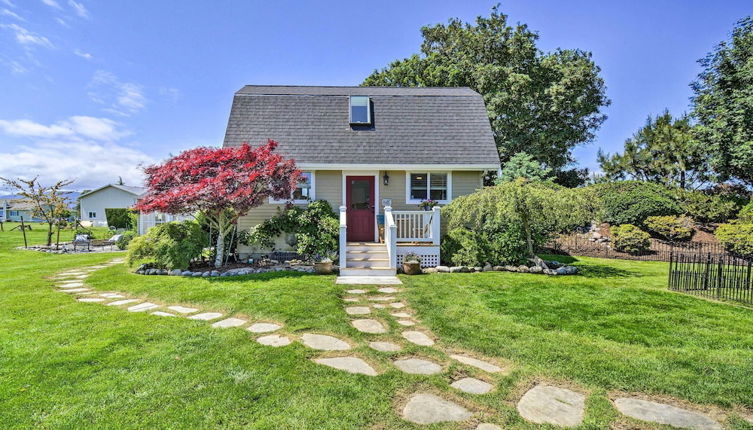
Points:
(542, 404)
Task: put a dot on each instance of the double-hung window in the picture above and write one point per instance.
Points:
(92, 215)
(304, 191)
(429, 186)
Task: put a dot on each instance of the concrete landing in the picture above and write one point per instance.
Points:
(368, 280)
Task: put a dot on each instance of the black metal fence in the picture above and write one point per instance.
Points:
(713, 276)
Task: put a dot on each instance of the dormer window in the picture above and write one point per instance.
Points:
(360, 110)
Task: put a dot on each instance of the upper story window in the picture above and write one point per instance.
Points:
(428, 186)
(360, 110)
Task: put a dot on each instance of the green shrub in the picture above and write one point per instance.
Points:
(119, 218)
(708, 207)
(671, 227)
(631, 202)
(168, 246)
(462, 247)
(737, 237)
(125, 239)
(316, 229)
(746, 214)
(631, 239)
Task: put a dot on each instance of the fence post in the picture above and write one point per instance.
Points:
(23, 230)
(706, 274)
(720, 281)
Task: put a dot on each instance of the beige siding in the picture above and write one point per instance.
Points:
(464, 183)
(329, 187)
(395, 191)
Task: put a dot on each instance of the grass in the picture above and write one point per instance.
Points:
(65, 364)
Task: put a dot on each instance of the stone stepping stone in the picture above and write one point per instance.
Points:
(357, 310)
(263, 327)
(71, 285)
(479, 364)
(545, 404)
(487, 426)
(472, 386)
(122, 302)
(90, 300)
(662, 413)
(348, 364)
(388, 290)
(163, 314)
(351, 299)
(274, 340)
(401, 315)
(397, 305)
(418, 338)
(355, 291)
(206, 316)
(75, 290)
(369, 326)
(323, 342)
(379, 306)
(430, 409)
(112, 295)
(417, 366)
(182, 309)
(146, 306)
(385, 346)
(382, 299)
(407, 323)
(230, 322)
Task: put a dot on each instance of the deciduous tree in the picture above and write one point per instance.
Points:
(49, 203)
(223, 184)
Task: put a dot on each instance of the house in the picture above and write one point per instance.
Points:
(111, 196)
(12, 210)
(374, 153)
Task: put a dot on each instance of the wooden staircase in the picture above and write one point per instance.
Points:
(367, 259)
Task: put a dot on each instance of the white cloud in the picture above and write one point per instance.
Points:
(83, 54)
(8, 3)
(90, 163)
(79, 9)
(10, 13)
(122, 98)
(62, 22)
(27, 38)
(75, 128)
(52, 3)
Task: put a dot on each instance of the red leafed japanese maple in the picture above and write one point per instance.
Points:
(223, 184)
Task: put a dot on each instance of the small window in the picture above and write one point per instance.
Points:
(159, 218)
(303, 190)
(360, 110)
(425, 186)
(12, 213)
(92, 214)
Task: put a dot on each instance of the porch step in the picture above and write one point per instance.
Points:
(371, 263)
(366, 247)
(373, 271)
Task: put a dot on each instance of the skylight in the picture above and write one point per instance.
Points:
(360, 110)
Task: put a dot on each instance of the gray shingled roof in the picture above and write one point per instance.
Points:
(410, 125)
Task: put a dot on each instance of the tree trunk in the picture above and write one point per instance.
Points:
(49, 234)
(219, 248)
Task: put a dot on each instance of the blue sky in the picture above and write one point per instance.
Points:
(91, 89)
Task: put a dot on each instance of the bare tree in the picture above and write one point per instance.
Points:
(49, 203)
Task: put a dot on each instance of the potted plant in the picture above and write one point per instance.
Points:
(411, 264)
(323, 265)
(428, 205)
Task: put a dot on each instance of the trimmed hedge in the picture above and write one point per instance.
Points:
(736, 237)
(629, 238)
(631, 202)
(671, 227)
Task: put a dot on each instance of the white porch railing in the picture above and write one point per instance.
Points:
(416, 226)
(390, 236)
(343, 236)
(147, 221)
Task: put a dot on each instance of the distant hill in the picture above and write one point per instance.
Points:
(72, 197)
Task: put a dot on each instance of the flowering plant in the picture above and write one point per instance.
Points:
(428, 205)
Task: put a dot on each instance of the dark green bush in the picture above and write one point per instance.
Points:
(707, 207)
(737, 237)
(671, 227)
(462, 247)
(629, 238)
(119, 218)
(125, 239)
(168, 246)
(631, 202)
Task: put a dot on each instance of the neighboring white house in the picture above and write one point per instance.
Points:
(111, 196)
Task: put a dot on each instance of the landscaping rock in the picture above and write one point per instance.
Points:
(263, 327)
(472, 386)
(488, 268)
(214, 273)
(323, 342)
(417, 366)
(429, 270)
(187, 273)
(230, 322)
(661, 413)
(418, 338)
(196, 274)
(369, 326)
(479, 364)
(274, 340)
(536, 269)
(182, 309)
(456, 269)
(523, 269)
(348, 364)
(511, 269)
(176, 272)
(443, 269)
(476, 269)
(205, 274)
(430, 409)
(499, 268)
(385, 346)
(206, 316)
(357, 310)
(545, 404)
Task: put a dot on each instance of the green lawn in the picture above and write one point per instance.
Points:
(65, 364)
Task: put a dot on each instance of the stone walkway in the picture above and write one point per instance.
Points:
(373, 309)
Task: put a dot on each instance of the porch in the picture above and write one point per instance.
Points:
(399, 233)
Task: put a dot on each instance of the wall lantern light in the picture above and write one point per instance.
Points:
(386, 179)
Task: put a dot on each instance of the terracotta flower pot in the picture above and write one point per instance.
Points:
(323, 267)
(412, 268)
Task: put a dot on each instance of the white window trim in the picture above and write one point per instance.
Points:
(300, 202)
(410, 201)
(368, 110)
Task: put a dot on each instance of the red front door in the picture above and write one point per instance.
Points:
(359, 200)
